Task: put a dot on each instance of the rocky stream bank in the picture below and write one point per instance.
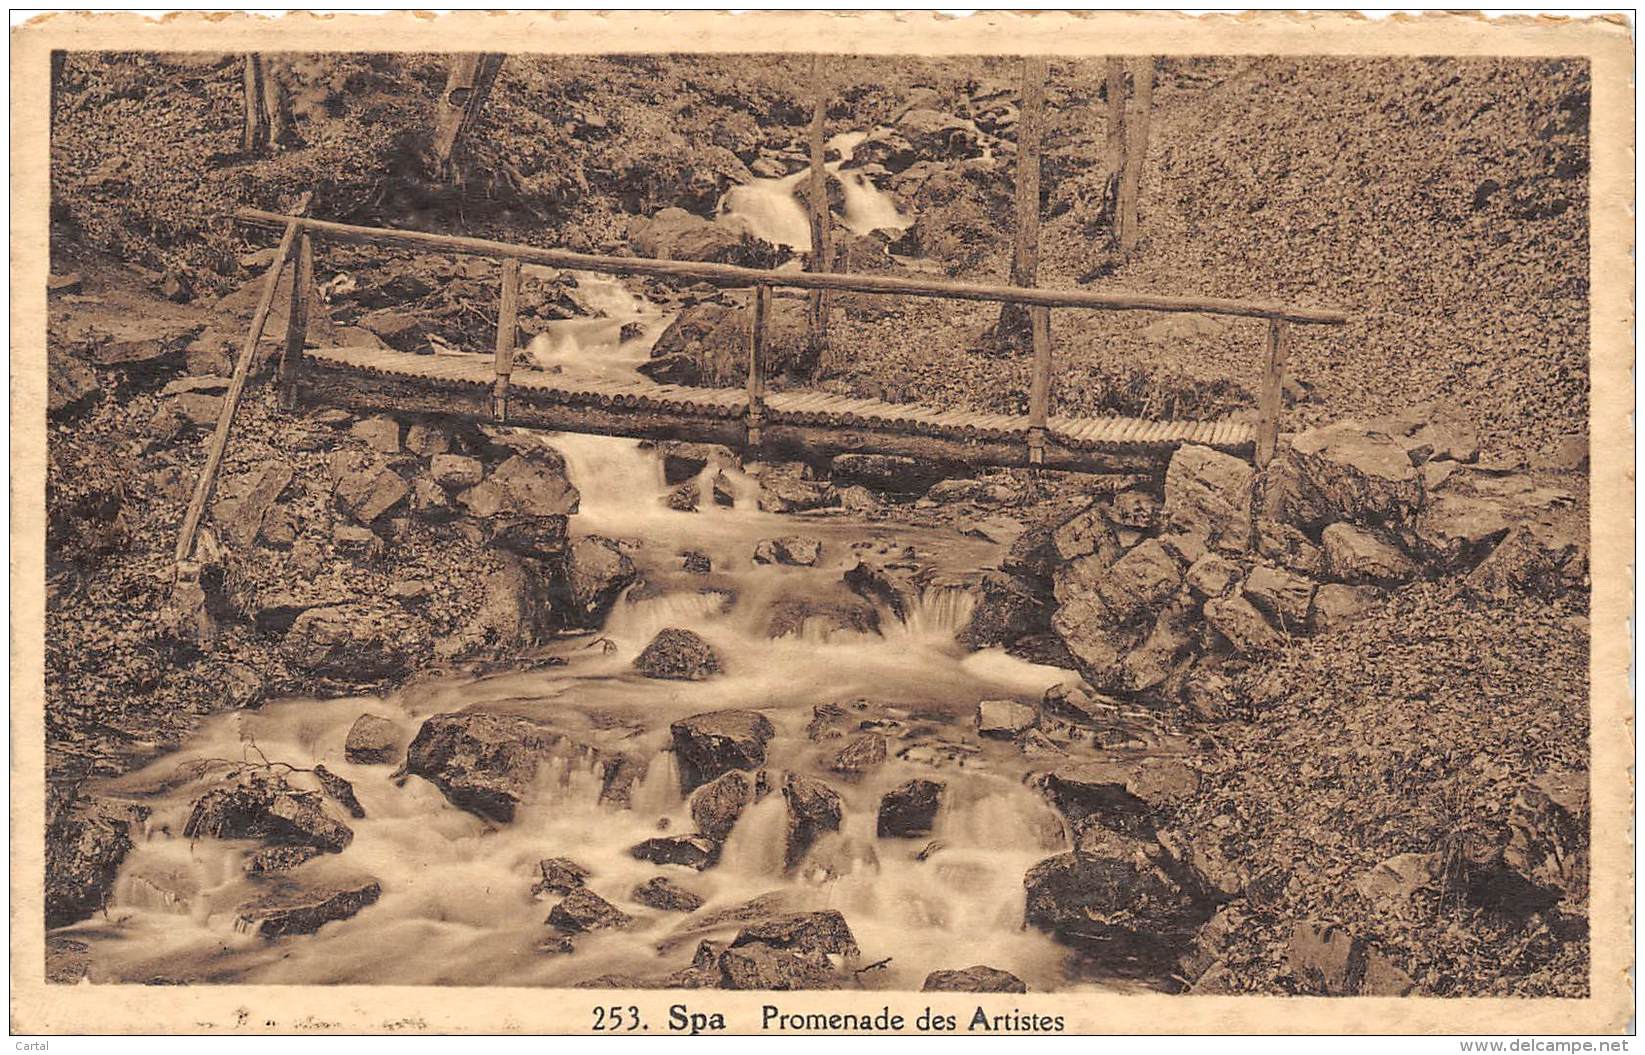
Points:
(1276, 749)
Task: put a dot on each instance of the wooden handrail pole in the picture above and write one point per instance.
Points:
(730, 275)
(231, 401)
(1272, 397)
(291, 357)
(1039, 391)
(756, 363)
(508, 309)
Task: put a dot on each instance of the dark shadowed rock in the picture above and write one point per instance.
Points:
(1549, 834)
(339, 791)
(1363, 558)
(716, 805)
(824, 932)
(666, 895)
(795, 615)
(910, 810)
(1009, 607)
(1336, 605)
(257, 806)
(596, 571)
(455, 472)
(1244, 627)
(813, 808)
(372, 741)
(559, 875)
(1281, 595)
(583, 910)
(359, 643)
(1534, 561)
(883, 472)
(757, 966)
(303, 908)
(1346, 471)
(1139, 582)
(793, 550)
(978, 979)
(1326, 959)
(486, 763)
(364, 487)
(860, 755)
(717, 742)
(676, 654)
(692, 851)
(1114, 896)
(86, 841)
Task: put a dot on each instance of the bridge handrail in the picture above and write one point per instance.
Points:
(1038, 300)
(732, 275)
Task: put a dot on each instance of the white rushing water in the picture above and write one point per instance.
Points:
(773, 211)
(456, 906)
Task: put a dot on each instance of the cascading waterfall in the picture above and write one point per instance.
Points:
(455, 904)
(772, 210)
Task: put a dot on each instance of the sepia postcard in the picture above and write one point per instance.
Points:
(676, 523)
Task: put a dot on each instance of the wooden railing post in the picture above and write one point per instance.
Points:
(291, 357)
(756, 363)
(1039, 392)
(207, 482)
(1272, 396)
(507, 331)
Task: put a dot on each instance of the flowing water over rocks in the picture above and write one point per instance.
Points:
(557, 824)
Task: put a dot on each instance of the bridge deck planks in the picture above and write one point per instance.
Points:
(800, 408)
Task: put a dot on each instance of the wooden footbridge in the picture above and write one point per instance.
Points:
(781, 424)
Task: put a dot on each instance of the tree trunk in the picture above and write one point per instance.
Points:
(1114, 154)
(1025, 256)
(268, 117)
(1136, 151)
(255, 134)
(822, 234)
(468, 84)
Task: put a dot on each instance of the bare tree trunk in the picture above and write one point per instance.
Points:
(468, 84)
(822, 234)
(268, 118)
(1136, 152)
(255, 135)
(1115, 152)
(1025, 255)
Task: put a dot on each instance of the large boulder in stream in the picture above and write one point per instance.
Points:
(977, 979)
(676, 654)
(86, 841)
(717, 742)
(716, 805)
(597, 571)
(583, 910)
(525, 503)
(288, 907)
(266, 806)
(692, 851)
(1115, 897)
(486, 763)
(910, 810)
(674, 234)
(813, 809)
